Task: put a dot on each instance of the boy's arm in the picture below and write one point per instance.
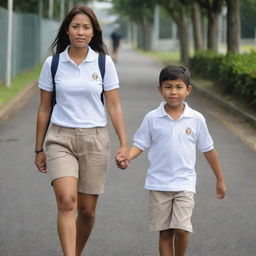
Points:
(134, 151)
(213, 160)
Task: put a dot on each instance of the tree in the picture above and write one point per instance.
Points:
(213, 8)
(233, 25)
(197, 27)
(179, 13)
(140, 12)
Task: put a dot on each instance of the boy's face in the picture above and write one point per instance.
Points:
(174, 92)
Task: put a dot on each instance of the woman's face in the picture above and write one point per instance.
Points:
(80, 31)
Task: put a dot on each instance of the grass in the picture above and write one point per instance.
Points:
(167, 57)
(17, 84)
(248, 48)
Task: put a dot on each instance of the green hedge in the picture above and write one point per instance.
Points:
(234, 73)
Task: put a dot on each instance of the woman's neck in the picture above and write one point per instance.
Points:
(78, 54)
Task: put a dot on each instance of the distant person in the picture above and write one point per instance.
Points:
(116, 37)
(76, 154)
(171, 133)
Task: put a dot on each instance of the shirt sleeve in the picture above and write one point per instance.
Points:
(142, 138)
(45, 78)
(111, 80)
(204, 141)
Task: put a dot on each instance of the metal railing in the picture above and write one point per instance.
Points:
(31, 39)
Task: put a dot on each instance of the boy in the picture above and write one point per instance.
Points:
(171, 133)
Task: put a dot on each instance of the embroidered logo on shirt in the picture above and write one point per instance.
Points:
(95, 77)
(188, 131)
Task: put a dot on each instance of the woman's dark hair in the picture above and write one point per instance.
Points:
(62, 40)
(173, 72)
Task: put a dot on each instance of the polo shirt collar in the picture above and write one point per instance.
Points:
(91, 56)
(188, 112)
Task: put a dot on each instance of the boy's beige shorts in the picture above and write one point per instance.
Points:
(171, 210)
(82, 153)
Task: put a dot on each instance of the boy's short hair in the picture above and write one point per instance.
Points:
(174, 72)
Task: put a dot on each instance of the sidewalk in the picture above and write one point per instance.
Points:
(229, 104)
(18, 102)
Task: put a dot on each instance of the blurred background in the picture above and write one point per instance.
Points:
(196, 32)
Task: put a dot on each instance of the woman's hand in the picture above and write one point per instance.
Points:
(40, 162)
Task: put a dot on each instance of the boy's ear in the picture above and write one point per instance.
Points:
(189, 89)
(159, 88)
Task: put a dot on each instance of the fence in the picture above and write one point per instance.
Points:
(31, 40)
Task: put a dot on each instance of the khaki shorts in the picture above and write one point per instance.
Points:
(171, 210)
(82, 153)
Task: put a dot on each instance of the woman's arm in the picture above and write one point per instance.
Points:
(43, 117)
(116, 115)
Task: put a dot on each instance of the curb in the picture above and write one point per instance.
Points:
(22, 97)
(227, 105)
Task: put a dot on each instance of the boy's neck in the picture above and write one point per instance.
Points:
(174, 112)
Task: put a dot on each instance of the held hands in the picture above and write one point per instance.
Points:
(122, 158)
(221, 189)
(40, 162)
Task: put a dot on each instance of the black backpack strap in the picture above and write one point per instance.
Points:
(54, 67)
(101, 62)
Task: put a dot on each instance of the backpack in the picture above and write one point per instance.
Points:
(54, 67)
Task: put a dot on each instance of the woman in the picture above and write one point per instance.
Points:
(77, 145)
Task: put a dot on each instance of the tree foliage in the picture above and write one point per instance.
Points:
(135, 9)
(32, 6)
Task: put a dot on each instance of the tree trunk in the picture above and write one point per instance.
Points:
(233, 26)
(197, 27)
(213, 31)
(183, 32)
(146, 33)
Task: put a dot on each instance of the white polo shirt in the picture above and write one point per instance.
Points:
(78, 90)
(172, 148)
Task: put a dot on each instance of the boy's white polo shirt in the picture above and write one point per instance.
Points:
(78, 90)
(172, 148)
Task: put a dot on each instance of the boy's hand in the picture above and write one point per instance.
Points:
(221, 189)
(121, 160)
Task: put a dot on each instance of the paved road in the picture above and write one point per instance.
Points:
(27, 205)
